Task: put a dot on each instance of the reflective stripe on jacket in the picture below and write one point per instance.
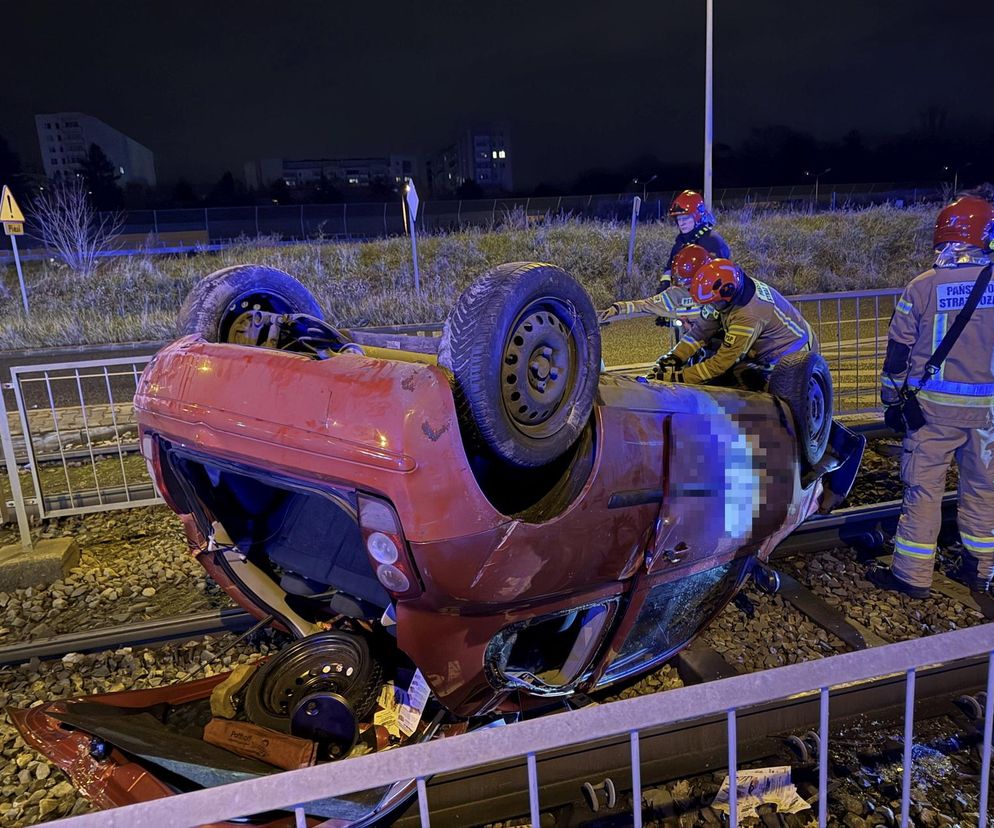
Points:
(672, 303)
(760, 326)
(962, 392)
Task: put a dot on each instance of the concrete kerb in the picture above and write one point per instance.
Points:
(41, 564)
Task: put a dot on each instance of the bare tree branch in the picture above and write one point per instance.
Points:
(63, 219)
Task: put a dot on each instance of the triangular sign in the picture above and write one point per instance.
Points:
(9, 211)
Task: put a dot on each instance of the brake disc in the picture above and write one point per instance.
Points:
(327, 663)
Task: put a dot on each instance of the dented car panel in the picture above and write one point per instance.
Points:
(682, 480)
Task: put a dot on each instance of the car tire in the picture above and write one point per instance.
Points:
(541, 327)
(802, 380)
(301, 668)
(217, 302)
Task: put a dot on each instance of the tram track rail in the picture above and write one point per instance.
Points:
(853, 525)
(497, 793)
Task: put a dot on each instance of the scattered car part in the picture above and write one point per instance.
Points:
(327, 719)
(594, 793)
(329, 663)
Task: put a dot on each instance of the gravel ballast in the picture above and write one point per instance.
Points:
(135, 566)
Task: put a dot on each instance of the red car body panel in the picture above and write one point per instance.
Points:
(710, 473)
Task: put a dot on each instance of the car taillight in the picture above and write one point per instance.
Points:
(149, 450)
(386, 547)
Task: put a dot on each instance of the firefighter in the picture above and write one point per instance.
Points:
(696, 225)
(674, 302)
(754, 324)
(957, 403)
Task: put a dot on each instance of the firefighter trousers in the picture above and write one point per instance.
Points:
(924, 463)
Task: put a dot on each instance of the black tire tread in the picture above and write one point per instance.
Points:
(202, 310)
(789, 382)
(466, 354)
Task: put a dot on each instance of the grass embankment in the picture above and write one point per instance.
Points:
(136, 298)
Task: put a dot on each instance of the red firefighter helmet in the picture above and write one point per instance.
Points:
(688, 261)
(968, 220)
(718, 281)
(690, 203)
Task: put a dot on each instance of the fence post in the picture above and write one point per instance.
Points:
(24, 527)
(303, 234)
(155, 223)
(384, 218)
(207, 226)
(345, 219)
(257, 221)
(493, 214)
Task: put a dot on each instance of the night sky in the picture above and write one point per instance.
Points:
(209, 85)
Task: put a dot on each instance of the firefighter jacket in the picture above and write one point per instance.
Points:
(759, 326)
(703, 236)
(672, 303)
(962, 392)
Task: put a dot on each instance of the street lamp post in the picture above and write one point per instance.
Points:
(956, 170)
(708, 104)
(816, 176)
(645, 182)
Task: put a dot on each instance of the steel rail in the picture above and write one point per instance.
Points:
(820, 532)
(497, 792)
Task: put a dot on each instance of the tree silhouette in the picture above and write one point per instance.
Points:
(10, 165)
(100, 177)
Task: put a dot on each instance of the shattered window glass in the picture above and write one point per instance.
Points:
(671, 615)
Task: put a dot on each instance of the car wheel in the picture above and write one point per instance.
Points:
(524, 347)
(802, 380)
(327, 662)
(221, 306)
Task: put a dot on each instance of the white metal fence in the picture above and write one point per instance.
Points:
(631, 718)
(71, 428)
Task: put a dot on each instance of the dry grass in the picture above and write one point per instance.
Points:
(136, 298)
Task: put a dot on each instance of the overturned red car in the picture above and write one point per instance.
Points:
(496, 514)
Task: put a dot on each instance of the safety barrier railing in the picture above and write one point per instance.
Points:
(631, 719)
(852, 331)
(72, 430)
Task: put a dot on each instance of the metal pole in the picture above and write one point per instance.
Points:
(909, 739)
(636, 780)
(985, 762)
(17, 495)
(533, 791)
(20, 274)
(823, 760)
(636, 206)
(733, 781)
(708, 104)
(414, 253)
(423, 803)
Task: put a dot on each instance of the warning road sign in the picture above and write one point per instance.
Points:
(13, 228)
(9, 211)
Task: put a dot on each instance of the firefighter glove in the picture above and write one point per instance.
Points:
(894, 419)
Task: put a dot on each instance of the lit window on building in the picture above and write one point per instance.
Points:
(495, 153)
(501, 154)
(353, 180)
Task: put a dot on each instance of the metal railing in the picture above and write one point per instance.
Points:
(74, 437)
(852, 330)
(630, 718)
